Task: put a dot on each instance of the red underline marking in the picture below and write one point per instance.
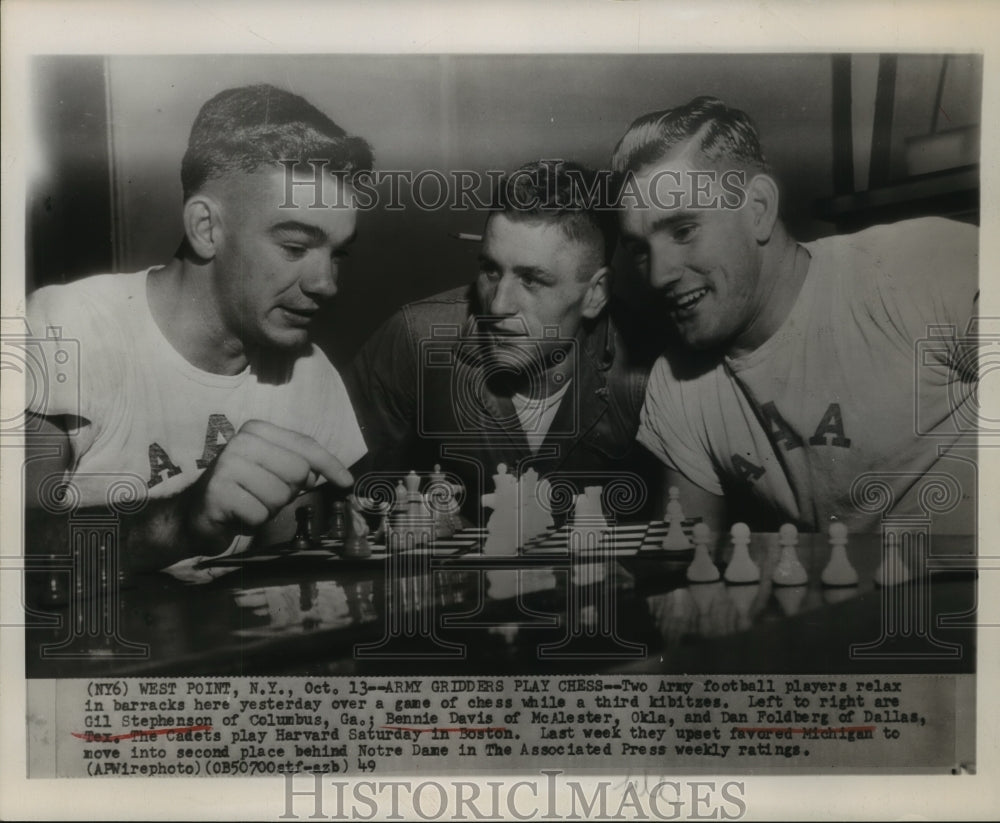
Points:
(447, 731)
(803, 731)
(97, 737)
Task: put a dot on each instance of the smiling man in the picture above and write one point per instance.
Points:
(526, 366)
(800, 367)
(197, 379)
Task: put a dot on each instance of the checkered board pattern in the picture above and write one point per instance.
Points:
(624, 540)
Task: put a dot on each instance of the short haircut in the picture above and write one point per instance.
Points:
(244, 129)
(566, 194)
(724, 136)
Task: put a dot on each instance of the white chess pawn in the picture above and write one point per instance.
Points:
(674, 505)
(675, 539)
(789, 571)
(893, 570)
(702, 569)
(741, 568)
(839, 571)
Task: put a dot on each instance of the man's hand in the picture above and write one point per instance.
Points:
(259, 471)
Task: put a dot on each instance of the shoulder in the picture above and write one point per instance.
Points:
(909, 247)
(95, 290)
(452, 306)
(90, 307)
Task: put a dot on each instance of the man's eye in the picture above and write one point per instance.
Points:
(531, 283)
(685, 233)
(293, 250)
(489, 273)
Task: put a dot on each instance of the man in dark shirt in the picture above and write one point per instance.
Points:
(526, 367)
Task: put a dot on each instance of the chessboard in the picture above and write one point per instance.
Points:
(619, 541)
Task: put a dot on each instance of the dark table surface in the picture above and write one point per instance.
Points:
(318, 614)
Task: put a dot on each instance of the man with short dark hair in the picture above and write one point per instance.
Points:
(198, 383)
(808, 375)
(526, 366)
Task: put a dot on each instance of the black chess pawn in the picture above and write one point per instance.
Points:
(338, 527)
(303, 538)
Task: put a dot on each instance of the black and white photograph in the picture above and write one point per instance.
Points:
(541, 429)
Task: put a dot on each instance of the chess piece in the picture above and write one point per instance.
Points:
(356, 544)
(839, 571)
(502, 536)
(410, 524)
(338, 526)
(440, 501)
(789, 571)
(302, 540)
(741, 568)
(674, 508)
(588, 525)
(414, 500)
(893, 570)
(675, 539)
(381, 534)
(702, 568)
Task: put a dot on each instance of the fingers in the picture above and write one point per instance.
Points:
(259, 471)
(318, 458)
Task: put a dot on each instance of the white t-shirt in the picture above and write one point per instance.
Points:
(150, 418)
(865, 375)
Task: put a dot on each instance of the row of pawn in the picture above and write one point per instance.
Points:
(788, 571)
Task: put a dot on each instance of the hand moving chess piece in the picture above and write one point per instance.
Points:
(789, 571)
(839, 571)
(702, 568)
(356, 544)
(741, 568)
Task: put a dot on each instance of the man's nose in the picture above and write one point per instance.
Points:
(321, 282)
(502, 299)
(665, 268)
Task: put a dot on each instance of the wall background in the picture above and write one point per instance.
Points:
(112, 132)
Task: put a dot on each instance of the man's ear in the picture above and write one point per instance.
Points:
(203, 225)
(762, 200)
(598, 291)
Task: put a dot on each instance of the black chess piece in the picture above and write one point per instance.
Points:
(302, 539)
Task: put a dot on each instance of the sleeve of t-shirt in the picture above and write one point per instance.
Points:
(931, 289)
(667, 430)
(75, 357)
